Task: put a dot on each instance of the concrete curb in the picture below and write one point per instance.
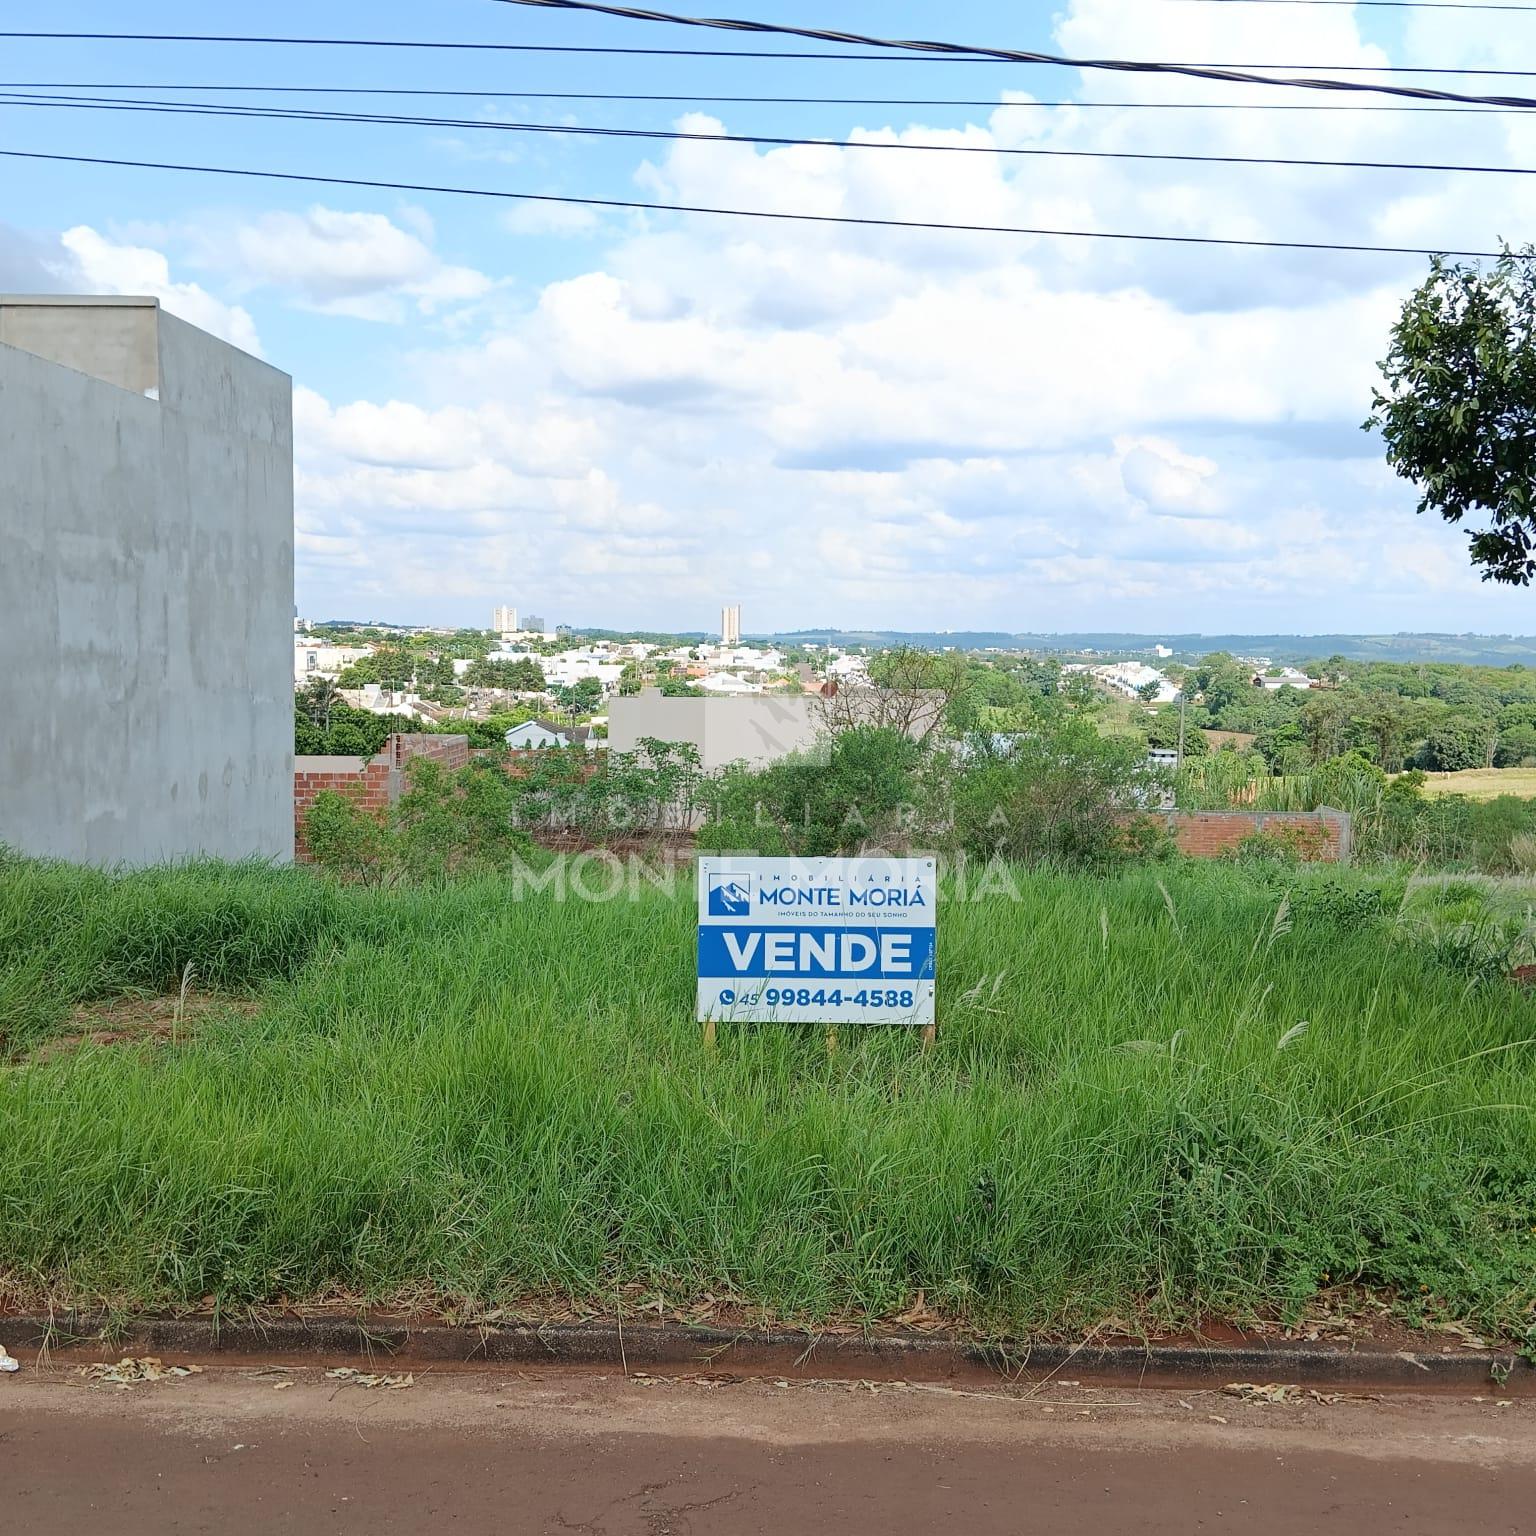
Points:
(779, 1353)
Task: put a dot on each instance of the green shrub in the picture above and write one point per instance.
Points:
(1058, 794)
(446, 823)
(861, 792)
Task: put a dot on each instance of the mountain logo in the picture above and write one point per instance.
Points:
(730, 895)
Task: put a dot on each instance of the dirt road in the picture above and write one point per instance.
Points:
(237, 1451)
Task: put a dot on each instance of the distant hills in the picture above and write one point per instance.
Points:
(1473, 650)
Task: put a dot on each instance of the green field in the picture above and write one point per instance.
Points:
(1166, 1094)
(1484, 783)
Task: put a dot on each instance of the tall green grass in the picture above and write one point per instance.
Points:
(452, 1090)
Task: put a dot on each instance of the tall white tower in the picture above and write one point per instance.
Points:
(730, 625)
(504, 621)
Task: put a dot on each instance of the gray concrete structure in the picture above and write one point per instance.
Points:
(755, 730)
(146, 587)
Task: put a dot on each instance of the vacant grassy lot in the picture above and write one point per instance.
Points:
(1156, 1095)
(1484, 783)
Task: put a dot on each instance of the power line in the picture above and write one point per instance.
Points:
(747, 213)
(990, 102)
(1236, 74)
(1199, 70)
(306, 115)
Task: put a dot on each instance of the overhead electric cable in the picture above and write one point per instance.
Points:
(500, 194)
(1200, 70)
(307, 115)
(1240, 74)
(991, 102)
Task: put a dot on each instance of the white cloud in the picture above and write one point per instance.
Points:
(1165, 481)
(933, 429)
(104, 266)
(347, 263)
(29, 264)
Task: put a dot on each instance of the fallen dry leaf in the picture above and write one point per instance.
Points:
(130, 1371)
(395, 1382)
(1267, 1392)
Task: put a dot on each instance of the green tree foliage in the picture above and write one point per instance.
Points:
(1283, 746)
(1326, 724)
(1349, 782)
(583, 697)
(1163, 732)
(1056, 794)
(1458, 410)
(919, 693)
(524, 675)
(1221, 681)
(1458, 745)
(341, 730)
(1381, 722)
(446, 823)
(1516, 746)
(858, 794)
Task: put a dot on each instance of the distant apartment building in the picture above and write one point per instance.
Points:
(534, 624)
(146, 587)
(504, 620)
(730, 625)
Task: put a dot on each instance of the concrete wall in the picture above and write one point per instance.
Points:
(146, 588)
(754, 730)
(114, 340)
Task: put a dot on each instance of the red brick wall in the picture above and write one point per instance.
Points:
(374, 784)
(1323, 835)
(451, 751)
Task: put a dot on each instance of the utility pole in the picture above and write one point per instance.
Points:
(1179, 766)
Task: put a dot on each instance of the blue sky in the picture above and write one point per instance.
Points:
(628, 419)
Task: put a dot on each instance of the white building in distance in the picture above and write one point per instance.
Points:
(730, 625)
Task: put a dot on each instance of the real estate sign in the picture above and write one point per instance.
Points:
(817, 941)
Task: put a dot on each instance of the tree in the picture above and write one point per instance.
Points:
(1163, 731)
(316, 700)
(1516, 745)
(1325, 723)
(1059, 793)
(524, 675)
(1457, 745)
(1458, 412)
(1382, 724)
(1283, 746)
(1221, 681)
(581, 697)
(857, 797)
(912, 691)
(1149, 691)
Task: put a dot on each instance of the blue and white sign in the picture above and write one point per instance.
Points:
(817, 941)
